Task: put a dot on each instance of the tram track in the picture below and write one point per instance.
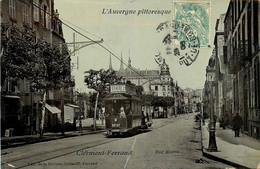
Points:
(38, 158)
(28, 160)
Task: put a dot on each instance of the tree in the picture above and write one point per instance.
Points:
(99, 80)
(39, 62)
(18, 53)
(159, 101)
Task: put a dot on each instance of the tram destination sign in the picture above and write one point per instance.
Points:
(119, 88)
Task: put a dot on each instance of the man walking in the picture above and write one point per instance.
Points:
(236, 124)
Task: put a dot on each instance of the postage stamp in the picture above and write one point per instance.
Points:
(196, 14)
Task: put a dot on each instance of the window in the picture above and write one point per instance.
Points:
(54, 25)
(257, 83)
(27, 87)
(163, 88)
(26, 17)
(249, 24)
(156, 87)
(45, 16)
(36, 10)
(255, 22)
(12, 8)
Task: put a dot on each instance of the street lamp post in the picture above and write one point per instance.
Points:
(212, 139)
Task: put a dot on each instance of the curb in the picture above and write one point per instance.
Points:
(215, 158)
(49, 139)
(223, 160)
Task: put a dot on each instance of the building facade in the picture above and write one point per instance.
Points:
(242, 54)
(219, 65)
(19, 103)
(192, 100)
(235, 65)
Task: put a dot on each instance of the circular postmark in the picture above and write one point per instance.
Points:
(183, 40)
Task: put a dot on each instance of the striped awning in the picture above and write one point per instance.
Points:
(52, 109)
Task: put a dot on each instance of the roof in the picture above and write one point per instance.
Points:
(131, 73)
(120, 97)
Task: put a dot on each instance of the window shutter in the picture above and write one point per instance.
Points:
(48, 20)
(24, 12)
(12, 8)
(42, 14)
(36, 10)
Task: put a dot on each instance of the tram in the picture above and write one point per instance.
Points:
(125, 111)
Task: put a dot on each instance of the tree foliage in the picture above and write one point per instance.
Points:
(159, 101)
(99, 80)
(25, 57)
(18, 53)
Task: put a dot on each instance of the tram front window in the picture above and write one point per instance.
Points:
(118, 108)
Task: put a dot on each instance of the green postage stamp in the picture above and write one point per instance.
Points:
(196, 14)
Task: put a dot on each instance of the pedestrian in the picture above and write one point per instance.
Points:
(236, 124)
(215, 119)
(122, 112)
(80, 123)
(222, 122)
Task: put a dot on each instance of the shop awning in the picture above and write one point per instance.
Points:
(72, 105)
(52, 109)
(12, 97)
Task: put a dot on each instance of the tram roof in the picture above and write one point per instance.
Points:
(121, 97)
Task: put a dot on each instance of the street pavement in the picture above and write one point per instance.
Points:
(243, 151)
(87, 125)
(171, 143)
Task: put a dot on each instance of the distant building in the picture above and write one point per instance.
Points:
(157, 82)
(192, 99)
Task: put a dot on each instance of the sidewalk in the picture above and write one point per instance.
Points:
(241, 152)
(8, 142)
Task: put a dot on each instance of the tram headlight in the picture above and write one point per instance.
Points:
(115, 119)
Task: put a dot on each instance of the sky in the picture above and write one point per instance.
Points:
(131, 35)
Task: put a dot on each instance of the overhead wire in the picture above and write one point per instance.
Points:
(113, 54)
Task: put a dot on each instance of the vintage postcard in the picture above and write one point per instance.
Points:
(130, 84)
